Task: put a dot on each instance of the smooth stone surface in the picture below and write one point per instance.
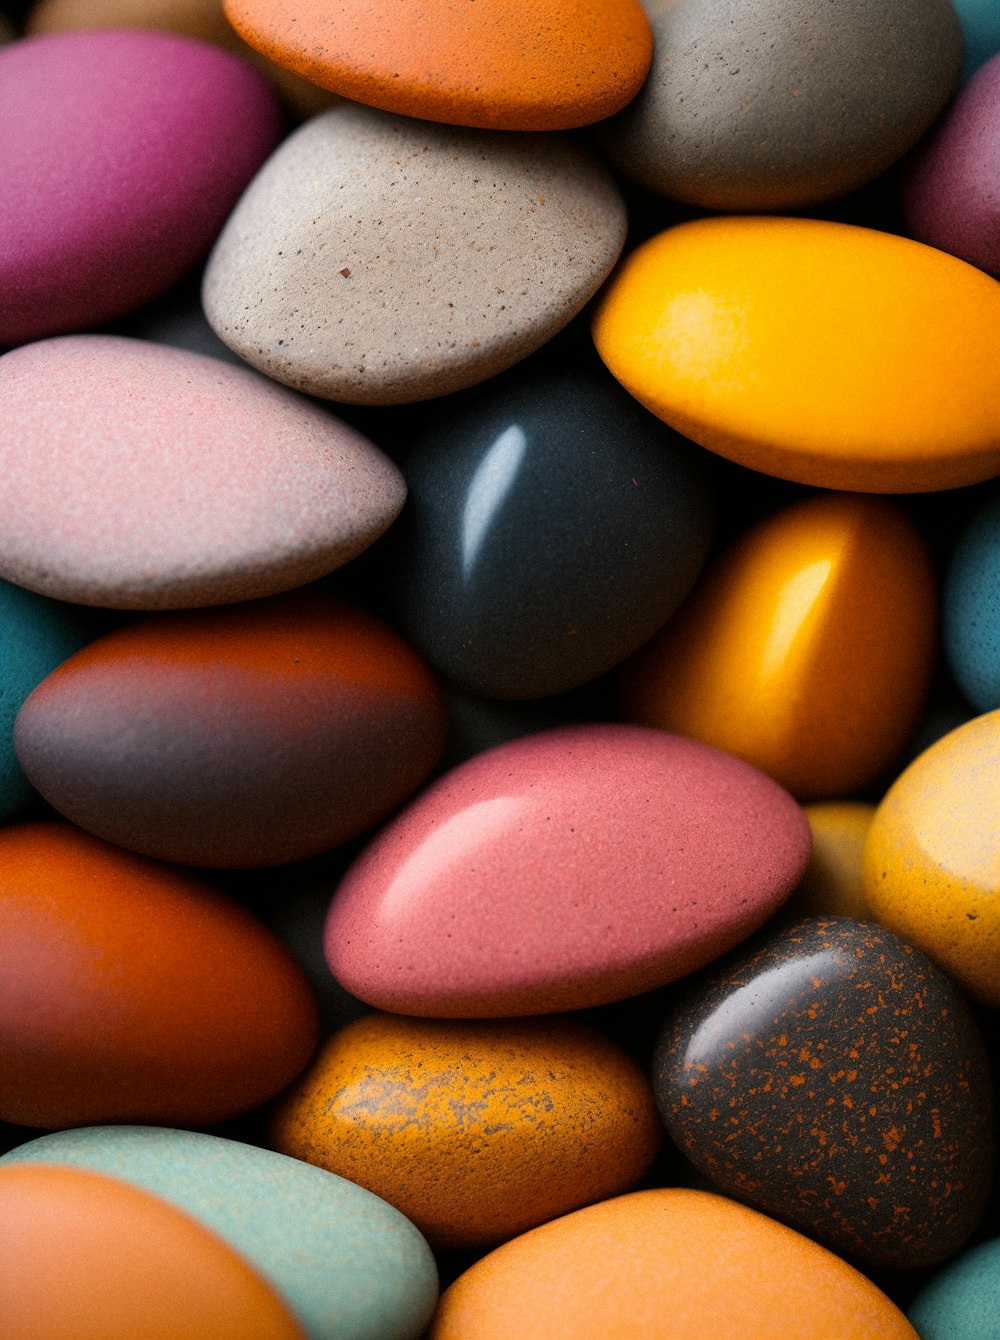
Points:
(498, 64)
(117, 186)
(143, 477)
(834, 884)
(562, 870)
(962, 1301)
(246, 736)
(971, 608)
(475, 1131)
(932, 858)
(950, 194)
(346, 1264)
(784, 103)
(86, 1257)
(980, 20)
(806, 649)
(831, 1076)
(381, 260)
(668, 1264)
(820, 352)
(131, 991)
(552, 526)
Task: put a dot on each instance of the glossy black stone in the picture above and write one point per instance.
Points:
(552, 526)
(830, 1075)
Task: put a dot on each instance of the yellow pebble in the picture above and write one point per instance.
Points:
(833, 884)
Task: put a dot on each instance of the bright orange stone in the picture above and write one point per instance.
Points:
(495, 64)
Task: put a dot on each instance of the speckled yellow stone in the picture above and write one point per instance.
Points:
(833, 884)
(932, 858)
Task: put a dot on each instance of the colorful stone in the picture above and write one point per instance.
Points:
(980, 20)
(962, 1301)
(833, 884)
(971, 623)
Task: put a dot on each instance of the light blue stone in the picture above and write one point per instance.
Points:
(980, 20)
(962, 1301)
(971, 616)
(350, 1266)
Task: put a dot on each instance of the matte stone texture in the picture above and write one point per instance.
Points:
(831, 1076)
(381, 260)
(143, 477)
(962, 1301)
(980, 20)
(783, 103)
(246, 736)
(552, 526)
(971, 608)
(122, 153)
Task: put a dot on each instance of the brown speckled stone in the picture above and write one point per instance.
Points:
(381, 260)
(832, 1077)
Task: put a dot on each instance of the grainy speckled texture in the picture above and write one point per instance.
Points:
(562, 870)
(782, 103)
(962, 1301)
(971, 613)
(143, 477)
(830, 1075)
(379, 260)
(497, 64)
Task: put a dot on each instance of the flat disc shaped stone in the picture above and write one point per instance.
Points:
(552, 526)
(783, 103)
(831, 1076)
(496, 64)
(138, 476)
(379, 260)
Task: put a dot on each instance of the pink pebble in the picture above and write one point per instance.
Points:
(121, 155)
(563, 870)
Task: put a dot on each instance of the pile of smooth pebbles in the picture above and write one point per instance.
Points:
(499, 669)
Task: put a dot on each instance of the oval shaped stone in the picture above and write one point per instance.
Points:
(475, 1131)
(831, 1076)
(243, 736)
(776, 106)
(961, 1302)
(932, 858)
(667, 1264)
(308, 1233)
(560, 473)
(118, 185)
(807, 649)
(134, 992)
(821, 352)
(498, 64)
(566, 869)
(971, 608)
(380, 260)
(144, 477)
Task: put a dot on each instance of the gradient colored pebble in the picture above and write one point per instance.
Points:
(118, 185)
(971, 614)
(806, 650)
(309, 1234)
(668, 1264)
(831, 1076)
(777, 106)
(932, 859)
(560, 473)
(245, 736)
(949, 193)
(962, 1301)
(475, 1131)
(377, 260)
(980, 20)
(131, 991)
(821, 352)
(833, 884)
(499, 65)
(142, 477)
(566, 869)
(87, 1257)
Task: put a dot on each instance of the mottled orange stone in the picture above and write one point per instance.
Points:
(495, 64)
(475, 1131)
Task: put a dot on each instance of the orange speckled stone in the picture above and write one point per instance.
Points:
(932, 859)
(475, 1131)
(833, 884)
(495, 64)
(815, 351)
(87, 1257)
(669, 1264)
(806, 650)
(130, 991)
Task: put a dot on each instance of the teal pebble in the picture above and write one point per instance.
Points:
(348, 1265)
(962, 1301)
(980, 20)
(971, 614)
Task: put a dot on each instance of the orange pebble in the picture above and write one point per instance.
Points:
(496, 64)
(665, 1265)
(86, 1257)
(806, 650)
(475, 1131)
(833, 884)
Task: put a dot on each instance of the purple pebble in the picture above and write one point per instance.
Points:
(121, 154)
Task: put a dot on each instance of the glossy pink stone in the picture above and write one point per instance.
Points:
(563, 870)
